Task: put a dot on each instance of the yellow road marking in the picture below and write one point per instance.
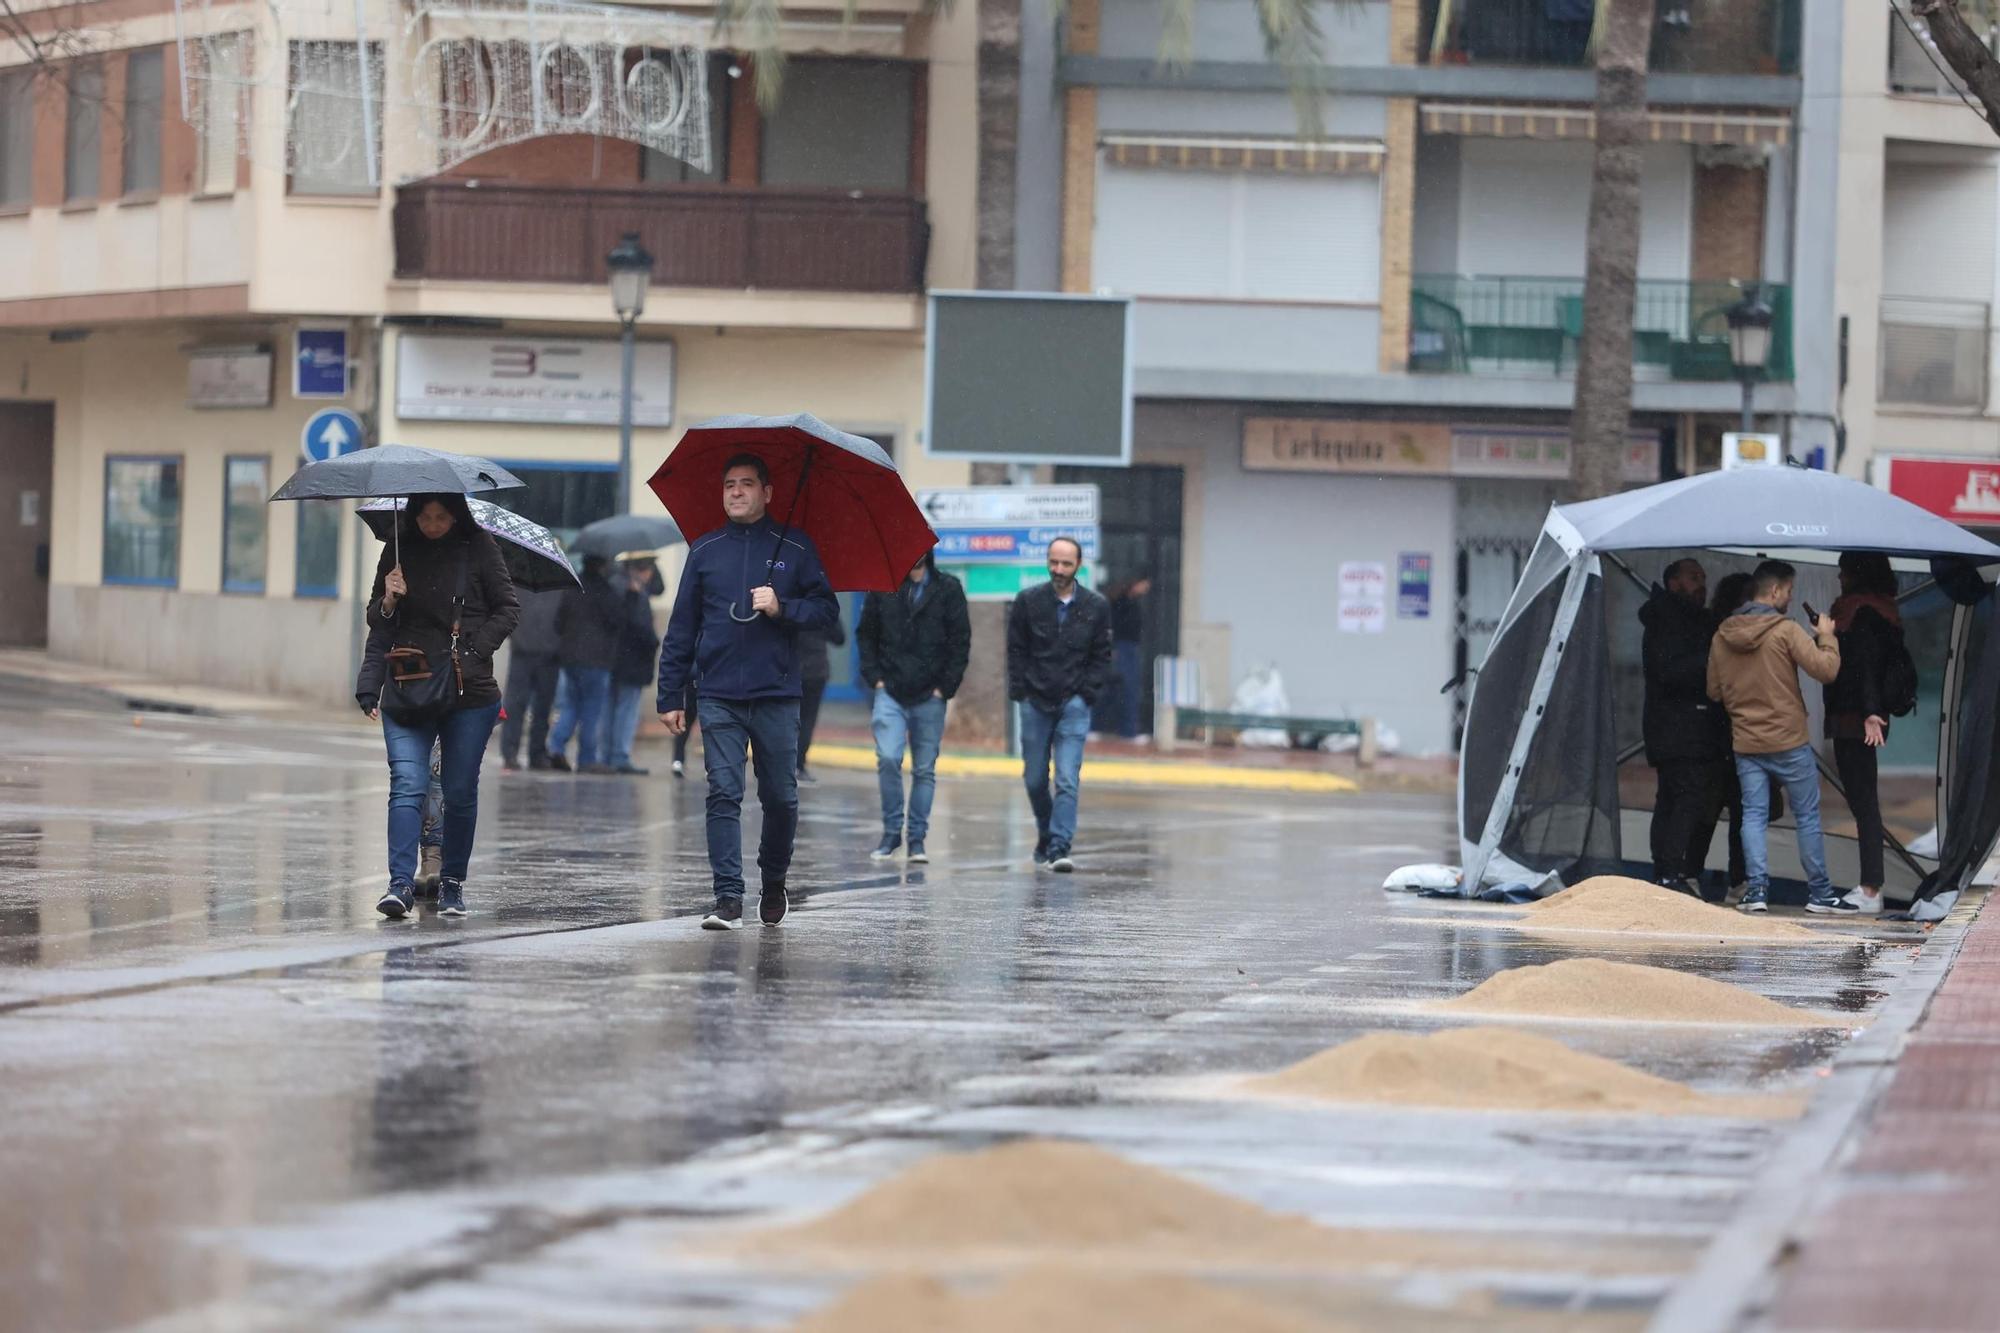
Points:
(1122, 772)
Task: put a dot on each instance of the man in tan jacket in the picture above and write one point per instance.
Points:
(1753, 669)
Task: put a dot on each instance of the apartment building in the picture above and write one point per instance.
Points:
(226, 218)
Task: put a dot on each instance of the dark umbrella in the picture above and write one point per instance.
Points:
(612, 537)
(534, 555)
(838, 489)
(396, 469)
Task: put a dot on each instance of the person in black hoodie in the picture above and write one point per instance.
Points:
(914, 645)
(1869, 625)
(588, 625)
(451, 599)
(1683, 742)
(815, 669)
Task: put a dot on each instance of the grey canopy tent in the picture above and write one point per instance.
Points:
(1555, 707)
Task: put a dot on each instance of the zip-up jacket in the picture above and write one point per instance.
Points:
(916, 647)
(733, 658)
(1753, 668)
(1053, 657)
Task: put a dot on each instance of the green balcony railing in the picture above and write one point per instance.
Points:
(1530, 326)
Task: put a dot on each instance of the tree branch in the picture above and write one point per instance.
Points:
(1964, 50)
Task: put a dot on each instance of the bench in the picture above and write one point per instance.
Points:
(1305, 733)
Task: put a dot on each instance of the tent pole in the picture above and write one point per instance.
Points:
(1502, 808)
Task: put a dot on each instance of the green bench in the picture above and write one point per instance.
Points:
(1305, 733)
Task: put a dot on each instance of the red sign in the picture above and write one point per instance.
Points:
(1967, 492)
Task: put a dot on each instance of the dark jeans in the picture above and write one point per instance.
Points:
(763, 732)
(1855, 761)
(815, 690)
(1685, 810)
(461, 736)
(691, 705)
(1130, 688)
(589, 701)
(531, 688)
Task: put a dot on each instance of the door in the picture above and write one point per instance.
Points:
(1139, 536)
(27, 461)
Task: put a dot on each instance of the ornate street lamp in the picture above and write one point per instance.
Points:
(631, 269)
(1750, 344)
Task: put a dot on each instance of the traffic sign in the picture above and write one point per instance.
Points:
(329, 433)
(1009, 506)
(1007, 545)
(319, 363)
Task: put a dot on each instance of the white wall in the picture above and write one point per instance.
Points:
(1937, 230)
(1524, 209)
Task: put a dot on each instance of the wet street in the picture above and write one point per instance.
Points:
(236, 1097)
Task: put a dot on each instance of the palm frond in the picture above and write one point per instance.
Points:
(1177, 36)
(1294, 42)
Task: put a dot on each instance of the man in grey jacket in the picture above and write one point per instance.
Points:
(532, 673)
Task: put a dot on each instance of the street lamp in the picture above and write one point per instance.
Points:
(631, 268)
(1750, 344)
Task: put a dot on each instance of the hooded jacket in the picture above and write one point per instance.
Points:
(1753, 669)
(916, 647)
(1682, 722)
(423, 617)
(756, 657)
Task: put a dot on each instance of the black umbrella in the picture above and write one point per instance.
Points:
(534, 555)
(396, 469)
(613, 537)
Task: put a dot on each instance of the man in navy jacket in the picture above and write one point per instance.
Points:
(747, 590)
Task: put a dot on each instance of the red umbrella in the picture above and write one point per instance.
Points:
(838, 489)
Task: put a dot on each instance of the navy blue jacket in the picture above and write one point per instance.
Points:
(732, 659)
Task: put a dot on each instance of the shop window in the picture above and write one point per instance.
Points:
(562, 497)
(17, 138)
(145, 73)
(335, 150)
(245, 523)
(659, 167)
(142, 521)
(316, 567)
(845, 124)
(81, 132)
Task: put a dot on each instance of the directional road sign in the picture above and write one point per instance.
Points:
(329, 433)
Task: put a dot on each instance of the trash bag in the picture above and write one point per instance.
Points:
(1417, 878)
(1262, 694)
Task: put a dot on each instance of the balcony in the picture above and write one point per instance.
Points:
(701, 236)
(1530, 326)
(1934, 354)
(1740, 37)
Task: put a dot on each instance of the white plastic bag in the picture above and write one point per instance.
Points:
(1262, 694)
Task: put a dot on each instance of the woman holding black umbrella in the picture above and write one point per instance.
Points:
(447, 606)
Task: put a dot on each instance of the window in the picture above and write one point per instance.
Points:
(245, 484)
(81, 151)
(842, 123)
(333, 150)
(223, 97)
(561, 497)
(17, 138)
(316, 568)
(655, 165)
(144, 86)
(142, 521)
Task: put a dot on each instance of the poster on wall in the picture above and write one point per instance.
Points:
(1413, 586)
(1364, 596)
(229, 377)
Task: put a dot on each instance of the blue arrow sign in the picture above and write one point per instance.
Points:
(329, 433)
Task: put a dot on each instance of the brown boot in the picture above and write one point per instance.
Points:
(428, 870)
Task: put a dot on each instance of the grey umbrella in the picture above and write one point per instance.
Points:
(611, 537)
(534, 555)
(396, 469)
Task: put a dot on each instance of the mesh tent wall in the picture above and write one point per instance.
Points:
(1555, 706)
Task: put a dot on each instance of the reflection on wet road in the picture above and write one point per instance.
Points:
(235, 1095)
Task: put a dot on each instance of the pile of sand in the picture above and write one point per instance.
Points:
(1493, 1069)
(1617, 905)
(1597, 988)
(1056, 1300)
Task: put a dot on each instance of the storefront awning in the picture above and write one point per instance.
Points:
(1308, 157)
(1663, 124)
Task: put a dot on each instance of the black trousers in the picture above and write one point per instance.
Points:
(809, 700)
(531, 687)
(1855, 761)
(1684, 813)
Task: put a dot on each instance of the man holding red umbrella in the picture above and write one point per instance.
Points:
(748, 589)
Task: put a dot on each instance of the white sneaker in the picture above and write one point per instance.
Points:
(1866, 904)
(1934, 909)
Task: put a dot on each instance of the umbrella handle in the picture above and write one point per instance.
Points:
(742, 620)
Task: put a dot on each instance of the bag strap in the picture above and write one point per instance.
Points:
(458, 614)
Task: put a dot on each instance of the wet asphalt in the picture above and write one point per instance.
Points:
(235, 1096)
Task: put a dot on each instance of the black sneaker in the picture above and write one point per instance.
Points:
(633, 771)
(728, 915)
(397, 903)
(886, 848)
(1059, 860)
(451, 897)
(772, 906)
(807, 778)
(559, 762)
(1831, 906)
(918, 856)
(1683, 886)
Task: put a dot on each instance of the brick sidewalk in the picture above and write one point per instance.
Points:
(1908, 1234)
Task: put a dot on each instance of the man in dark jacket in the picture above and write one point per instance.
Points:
(815, 670)
(634, 660)
(914, 646)
(1683, 740)
(532, 672)
(1058, 662)
(588, 624)
(747, 590)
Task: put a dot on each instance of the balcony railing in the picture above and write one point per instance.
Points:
(1740, 37)
(1934, 353)
(1530, 326)
(700, 236)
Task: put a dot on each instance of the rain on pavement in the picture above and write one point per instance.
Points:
(234, 1096)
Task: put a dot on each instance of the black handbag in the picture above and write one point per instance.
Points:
(418, 690)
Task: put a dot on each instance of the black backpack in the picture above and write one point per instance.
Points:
(1899, 677)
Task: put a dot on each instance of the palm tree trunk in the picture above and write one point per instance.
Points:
(1603, 410)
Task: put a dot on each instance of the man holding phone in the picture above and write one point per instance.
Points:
(1753, 670)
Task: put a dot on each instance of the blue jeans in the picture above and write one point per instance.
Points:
(621, 723)
(919, 727)
(764, 732)
(1799, 772)
(589, 698)
(461, 736)
(1058, 736)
